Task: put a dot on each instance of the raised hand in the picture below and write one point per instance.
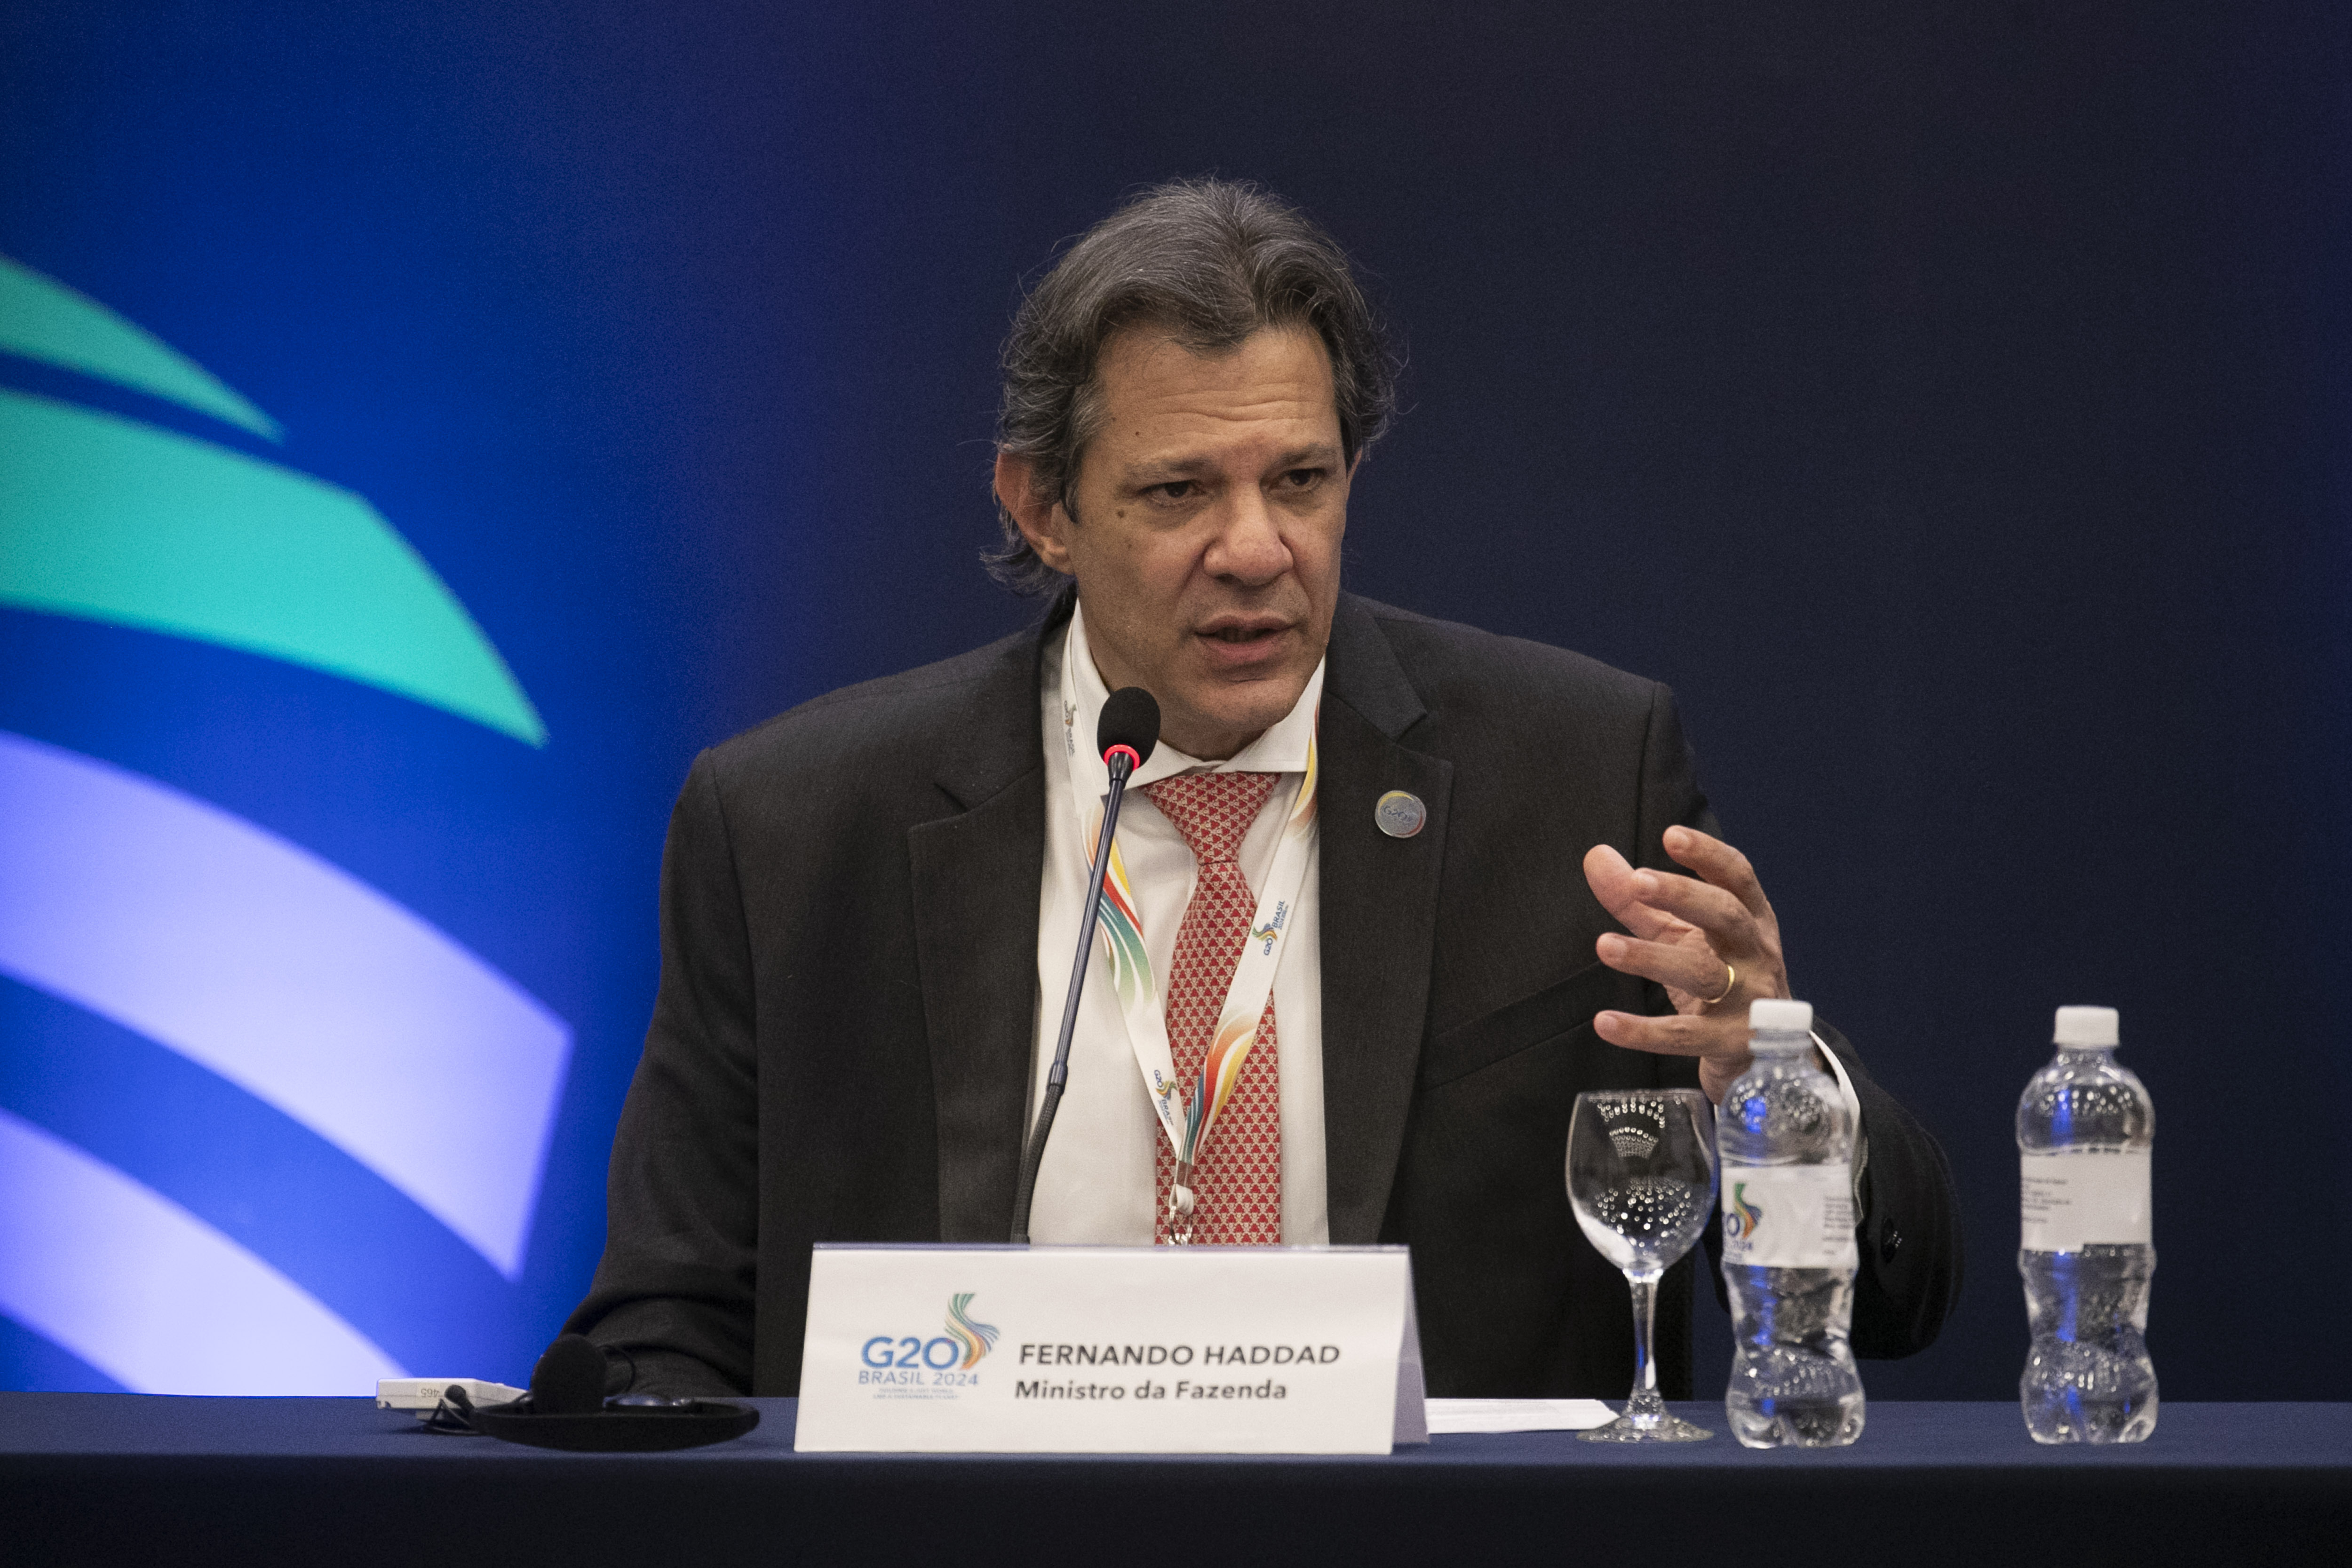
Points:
(1711, 940)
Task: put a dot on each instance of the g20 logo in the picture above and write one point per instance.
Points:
(959, 1350)
(907, 1354)
(1741, 1217)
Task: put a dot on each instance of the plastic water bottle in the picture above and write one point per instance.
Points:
(2085, 1131)
(1786, 1144)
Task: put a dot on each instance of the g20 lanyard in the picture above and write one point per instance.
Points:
(1188, 1123)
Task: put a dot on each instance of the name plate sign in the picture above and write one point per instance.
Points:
(1110, 1350)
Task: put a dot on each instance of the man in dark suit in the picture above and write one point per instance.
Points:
(862, 898)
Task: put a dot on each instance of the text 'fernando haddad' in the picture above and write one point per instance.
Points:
(1178, 1355)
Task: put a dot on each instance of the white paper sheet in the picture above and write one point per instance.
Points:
(1516, 1415)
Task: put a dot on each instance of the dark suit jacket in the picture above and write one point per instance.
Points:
(841, 1046)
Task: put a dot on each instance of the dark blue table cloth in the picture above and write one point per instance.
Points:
(117, 1477)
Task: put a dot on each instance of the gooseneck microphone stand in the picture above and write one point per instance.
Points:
(1126, 722)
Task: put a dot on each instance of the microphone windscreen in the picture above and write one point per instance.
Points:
(569, 1378)
(1131, 718)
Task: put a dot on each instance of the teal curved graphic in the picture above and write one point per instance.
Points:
(313, 994)
(281, 974)
(114, 520)
(42, 318)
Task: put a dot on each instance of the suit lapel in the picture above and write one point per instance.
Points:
(1378, 898)
(976, 879)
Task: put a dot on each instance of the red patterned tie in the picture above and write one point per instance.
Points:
(1239, 1178)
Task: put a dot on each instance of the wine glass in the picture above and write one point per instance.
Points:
(1640, 1177)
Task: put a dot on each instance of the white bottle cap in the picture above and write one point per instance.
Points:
(1777, 1017)
(2087, 1026)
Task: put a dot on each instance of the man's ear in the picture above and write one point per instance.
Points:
(1040, 518)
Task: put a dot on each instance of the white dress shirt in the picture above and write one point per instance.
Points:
(1097, 1184)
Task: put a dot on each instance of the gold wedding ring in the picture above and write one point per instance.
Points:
(1730, 983)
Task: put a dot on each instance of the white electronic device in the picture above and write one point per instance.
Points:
(422, 1394)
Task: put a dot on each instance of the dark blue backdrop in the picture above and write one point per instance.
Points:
(1949, 400)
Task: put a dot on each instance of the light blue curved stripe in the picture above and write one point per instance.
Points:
(151, 1295)
(42, 318)
(286, 975)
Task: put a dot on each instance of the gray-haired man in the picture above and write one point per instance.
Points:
(1477, 846)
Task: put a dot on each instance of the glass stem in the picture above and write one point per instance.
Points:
(1645, 1403)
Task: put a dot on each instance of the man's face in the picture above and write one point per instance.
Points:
(1206, 544)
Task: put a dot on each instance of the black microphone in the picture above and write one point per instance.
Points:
(570, 1378)
(1126, 736)
(566, 1408)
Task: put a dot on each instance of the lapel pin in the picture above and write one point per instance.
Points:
(1398, 814)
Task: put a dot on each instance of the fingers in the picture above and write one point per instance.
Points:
(1719, 1044)
(1718, 864)
(1715, 920)
(1611, 881)
(1673, 1034)
(1690, 967)
(1710, 939)
(1730, 925)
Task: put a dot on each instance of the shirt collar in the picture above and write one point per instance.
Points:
(1283, 749)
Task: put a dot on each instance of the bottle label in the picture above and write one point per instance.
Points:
(1789, 1216)
(2073, 1199)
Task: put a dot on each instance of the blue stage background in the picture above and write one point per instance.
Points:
(1949, 404)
